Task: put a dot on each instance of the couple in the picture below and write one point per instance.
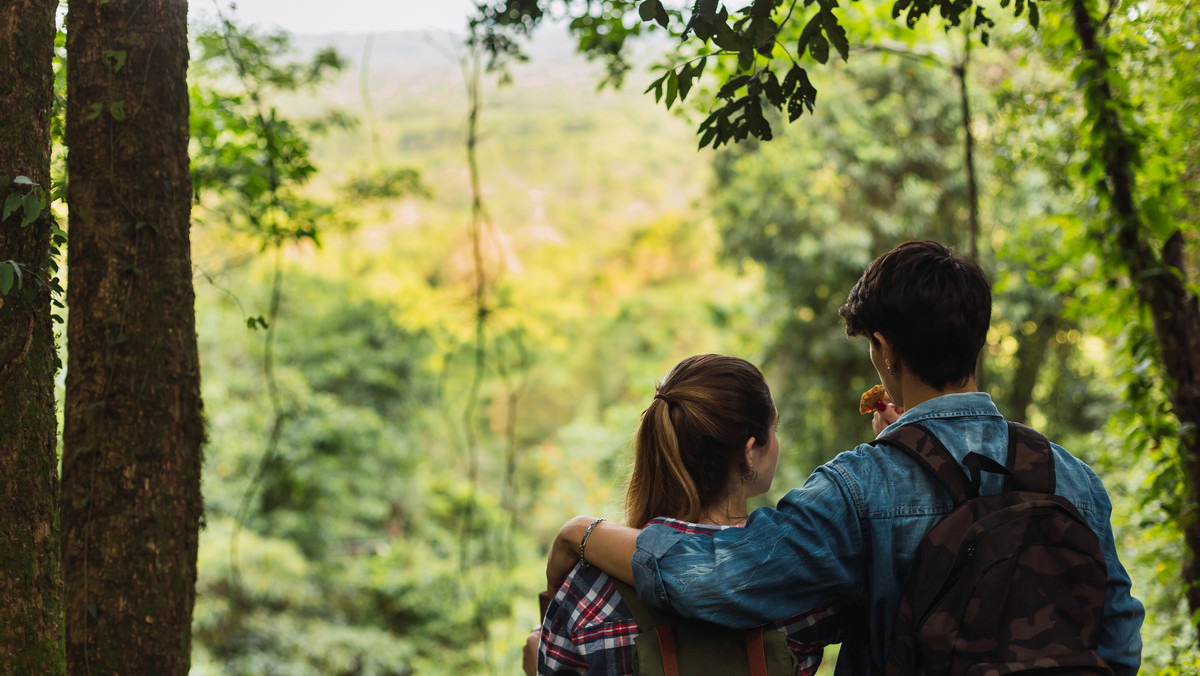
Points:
(838, 550)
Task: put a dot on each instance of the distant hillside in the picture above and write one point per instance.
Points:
(553, 145)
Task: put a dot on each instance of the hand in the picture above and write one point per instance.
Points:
(530, 651)
(881, 419)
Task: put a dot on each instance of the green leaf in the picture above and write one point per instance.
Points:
(836, 34)
(803, 96)
(685, 81)
(117, 109)
(647, 10)
(661, 16)
(6, 277)
(23, 180)
(819, 48)
(31, 207)
(728, 39)
(730, 88)
(94, 110)
(114, 59)
(10, 205)
(811, 30)
(672, 88)
(657, 84)
(1034, 16)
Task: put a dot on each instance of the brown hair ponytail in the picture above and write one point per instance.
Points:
(705, 410)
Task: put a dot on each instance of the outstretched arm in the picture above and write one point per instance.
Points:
(610, 548)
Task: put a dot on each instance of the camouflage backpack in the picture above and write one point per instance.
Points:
(671, 645)
(1004, 584)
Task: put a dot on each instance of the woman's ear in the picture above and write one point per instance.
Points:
(748, 459)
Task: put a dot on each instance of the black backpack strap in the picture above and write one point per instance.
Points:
(1030, 460)
(924, 447)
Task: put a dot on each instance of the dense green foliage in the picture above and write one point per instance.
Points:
(378, 503)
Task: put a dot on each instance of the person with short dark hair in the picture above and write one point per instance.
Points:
(929, 305)
(851, 532)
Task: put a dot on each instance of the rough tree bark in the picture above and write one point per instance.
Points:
(30, 575)
(133, 427)
(1159, 279)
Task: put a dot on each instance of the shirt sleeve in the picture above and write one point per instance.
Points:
(557, 653)
(1121, 632)
(784, 562)
(588, 629)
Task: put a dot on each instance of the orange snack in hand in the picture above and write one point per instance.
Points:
(872, 400)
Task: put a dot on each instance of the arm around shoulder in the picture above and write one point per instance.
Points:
(609, 547)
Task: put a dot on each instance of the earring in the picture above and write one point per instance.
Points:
(890, 369)
(750, 476)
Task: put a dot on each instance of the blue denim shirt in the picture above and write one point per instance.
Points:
(850, 533)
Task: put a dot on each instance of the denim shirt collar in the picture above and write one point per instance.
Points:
(948, 406)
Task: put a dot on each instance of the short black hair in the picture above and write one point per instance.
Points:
(932, 305)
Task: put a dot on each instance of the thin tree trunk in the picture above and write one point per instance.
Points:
(1030, 358)
(30, 574)
(133, 427)
(964, 101)
(1159, 280)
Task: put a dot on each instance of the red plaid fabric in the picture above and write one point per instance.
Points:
(589, 630)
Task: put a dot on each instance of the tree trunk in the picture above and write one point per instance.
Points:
(1159, 280)
(30, 574)
(1030, 358)
(133, 428)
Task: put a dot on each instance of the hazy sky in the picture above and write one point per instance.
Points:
(345, 16)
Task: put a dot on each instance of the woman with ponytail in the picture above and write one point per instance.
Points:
(706, 445)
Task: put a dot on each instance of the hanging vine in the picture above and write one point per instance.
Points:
(270, 159)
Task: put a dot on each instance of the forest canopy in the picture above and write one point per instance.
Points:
(438, 277)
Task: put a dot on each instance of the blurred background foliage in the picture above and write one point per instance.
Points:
(391, 449)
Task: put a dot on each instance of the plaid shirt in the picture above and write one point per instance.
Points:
(589, 630)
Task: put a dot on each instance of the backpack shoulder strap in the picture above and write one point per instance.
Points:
(647, 617)
(661, 623)
(1030, 460)
(923, 446)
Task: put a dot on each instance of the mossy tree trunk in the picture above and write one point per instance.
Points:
(1159, 277)
(133, 427)
(30, 575)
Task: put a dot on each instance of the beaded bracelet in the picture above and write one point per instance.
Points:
(583, 542)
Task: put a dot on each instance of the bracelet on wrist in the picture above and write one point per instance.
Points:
(583, 542)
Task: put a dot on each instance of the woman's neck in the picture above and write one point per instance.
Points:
(729, 512)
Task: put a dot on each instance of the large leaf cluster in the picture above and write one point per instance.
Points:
(768, 43)
(252, 158)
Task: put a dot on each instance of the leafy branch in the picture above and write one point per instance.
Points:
(749, 38)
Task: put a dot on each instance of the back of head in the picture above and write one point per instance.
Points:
(705, 410)
(931, 304)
